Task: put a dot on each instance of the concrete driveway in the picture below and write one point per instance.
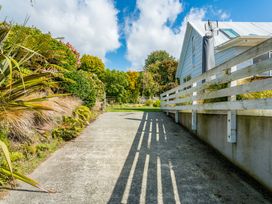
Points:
(136, 158)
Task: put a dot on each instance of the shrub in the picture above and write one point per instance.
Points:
(83, 113)
(15, 156)
(81, 87)
(69, 129)
(72, 126)
(30, 149)
(149, 102)
(53, 51)
(42, 147)
(157, 103)
(65, 133)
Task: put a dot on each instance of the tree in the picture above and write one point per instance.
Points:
(116, 83)
(134, 86)
(161, 67)
(156, 57)
(150, 86)
(92, 64)
(167, 75)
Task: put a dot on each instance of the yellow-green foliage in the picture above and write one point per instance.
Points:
(92, 64)
(149, 102)
(72, 126)
(30, 149)
(215, 87)
(4, 137)
(83, 113)
(15, 156)
(157, 103)
(247, 96)
(154, 103)
(254, 95)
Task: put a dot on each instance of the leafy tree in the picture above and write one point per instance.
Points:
(161, 68)
(134, 86)
(116, 83)
(155, 57)
(166, 75)
(92, 64)
(150, 86)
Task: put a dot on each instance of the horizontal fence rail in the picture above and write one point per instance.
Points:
(224, 88)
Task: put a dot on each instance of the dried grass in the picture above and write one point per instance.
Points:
(24, 124)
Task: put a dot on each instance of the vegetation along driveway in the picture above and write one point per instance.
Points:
(137, 158)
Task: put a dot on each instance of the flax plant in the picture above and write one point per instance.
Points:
(13, 92)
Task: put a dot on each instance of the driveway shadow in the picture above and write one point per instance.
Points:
(168, 165)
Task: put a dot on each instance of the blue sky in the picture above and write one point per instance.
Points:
(124, 32)
(252, 10)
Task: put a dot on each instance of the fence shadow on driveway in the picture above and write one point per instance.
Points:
(167, 165)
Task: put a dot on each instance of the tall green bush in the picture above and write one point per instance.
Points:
(93, 65)
(81, 86)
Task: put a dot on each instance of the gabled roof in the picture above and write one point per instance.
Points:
(250, 34)
(249, 29)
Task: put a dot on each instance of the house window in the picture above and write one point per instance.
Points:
(261, 58)
(229, 32)
(193, 53)
(185, 79)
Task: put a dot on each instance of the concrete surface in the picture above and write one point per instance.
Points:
(136, 158)
(253, 150)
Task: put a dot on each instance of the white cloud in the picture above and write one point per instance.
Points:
(151, 31)
(223, 15)
(90, 25)
(220, 14)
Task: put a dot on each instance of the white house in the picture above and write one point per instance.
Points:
(232, 39)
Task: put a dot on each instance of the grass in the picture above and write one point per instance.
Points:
(26, 157)
(132, 108)
(32, 160)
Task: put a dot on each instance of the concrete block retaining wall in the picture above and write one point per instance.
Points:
(253, 150)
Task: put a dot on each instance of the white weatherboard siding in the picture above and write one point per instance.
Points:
(186, 64)
(225, 55)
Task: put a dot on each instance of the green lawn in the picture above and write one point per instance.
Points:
(132, 108)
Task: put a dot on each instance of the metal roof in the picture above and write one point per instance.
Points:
(242, 28)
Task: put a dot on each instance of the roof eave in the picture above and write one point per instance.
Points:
(243, 41)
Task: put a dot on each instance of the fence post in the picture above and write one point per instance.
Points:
(231, 115)
(177, 112)
(194, 112)
(167, 100)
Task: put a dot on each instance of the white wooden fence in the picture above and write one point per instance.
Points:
(191, 95)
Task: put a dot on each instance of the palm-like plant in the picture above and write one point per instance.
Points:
(12, 91)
